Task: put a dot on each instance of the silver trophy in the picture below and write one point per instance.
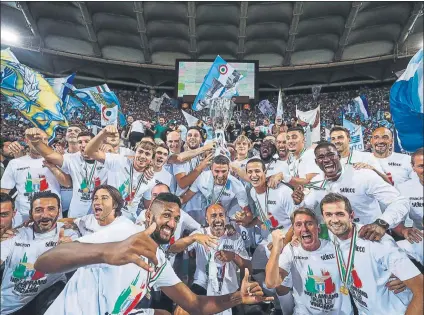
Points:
(221, 111)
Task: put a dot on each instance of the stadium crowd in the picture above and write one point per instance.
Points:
(158, 218)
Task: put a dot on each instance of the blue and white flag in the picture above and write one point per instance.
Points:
(361, 104)
(356, 135)
(60, 85)
(100, 98)
(406, 105)
(221, 81)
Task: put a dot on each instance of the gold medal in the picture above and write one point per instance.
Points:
(344, 290)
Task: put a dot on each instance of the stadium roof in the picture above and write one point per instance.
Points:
(296, 43)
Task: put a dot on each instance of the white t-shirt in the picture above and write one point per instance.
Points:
(280, 205)
(119, 170)
(21, 282)
(29, 176)
(366, 191)
(88, 223)
(413, 190)
(278, 166)
(111, 289)
(374, 264)
(234, 189)
(85, 177)
(414, 250)
(356, 156)
(195, 203)
(137, 126)
(232, 243)
(304, 165)
(316, 280)
(399, 165)
(126, 151)
(161, 177)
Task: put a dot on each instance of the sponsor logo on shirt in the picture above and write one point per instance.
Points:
(301, 257)
(394, 164)
(416, 204)
(22, 168)
(26, 278)
(360, 249)
(327, 256)
(226, 194)
(321, 289)
(347, 190)
(51, 244)
(272, 202)
(22, 244)
(226, 246)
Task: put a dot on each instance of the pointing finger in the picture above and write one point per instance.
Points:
(246, 275)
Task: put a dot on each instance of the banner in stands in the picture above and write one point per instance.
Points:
(221, 81)
(406, 104)
(356, 135)
(310, 121)
(27, 91)
(266, 108)
(156, 102)
(280, 111)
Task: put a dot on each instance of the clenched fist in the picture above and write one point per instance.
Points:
(34, 134)
(110, 131)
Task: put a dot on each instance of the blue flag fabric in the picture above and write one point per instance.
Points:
(406, 105)
(27, 91)
(60, 85)
(221, 81)
(93, 97)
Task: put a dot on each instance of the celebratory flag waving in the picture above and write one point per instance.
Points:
(191, 120)
(27, 91)
(221, 81)
(406, 105)
(280, 111)
(361, 104)
(60, 85)
(101, 99)
(356, 135)
(310, 121)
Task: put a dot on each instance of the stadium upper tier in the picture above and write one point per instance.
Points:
(139, 41)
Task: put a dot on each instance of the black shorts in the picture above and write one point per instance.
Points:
(135, 137)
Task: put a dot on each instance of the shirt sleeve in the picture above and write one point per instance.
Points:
(165, 276)
(193, 245)
(240, 193)
(197, 183)
(396, 206)
(8, 179)
(180, 168)
(241, 249)
(188, 223)
(285, 261)
(113, 161)
(111, 233)
(7, 248)
(393, 258)
(66, 165)
(374, 163)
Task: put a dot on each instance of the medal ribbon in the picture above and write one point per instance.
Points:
(349, 158)
(296, 170)
(345, 270)
(264, 215)
(220, 193)
(313, 185)
(90, 177)
(130, 186)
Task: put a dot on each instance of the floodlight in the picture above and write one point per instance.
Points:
(9, 36)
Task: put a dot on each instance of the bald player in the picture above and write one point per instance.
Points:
(397, 165)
